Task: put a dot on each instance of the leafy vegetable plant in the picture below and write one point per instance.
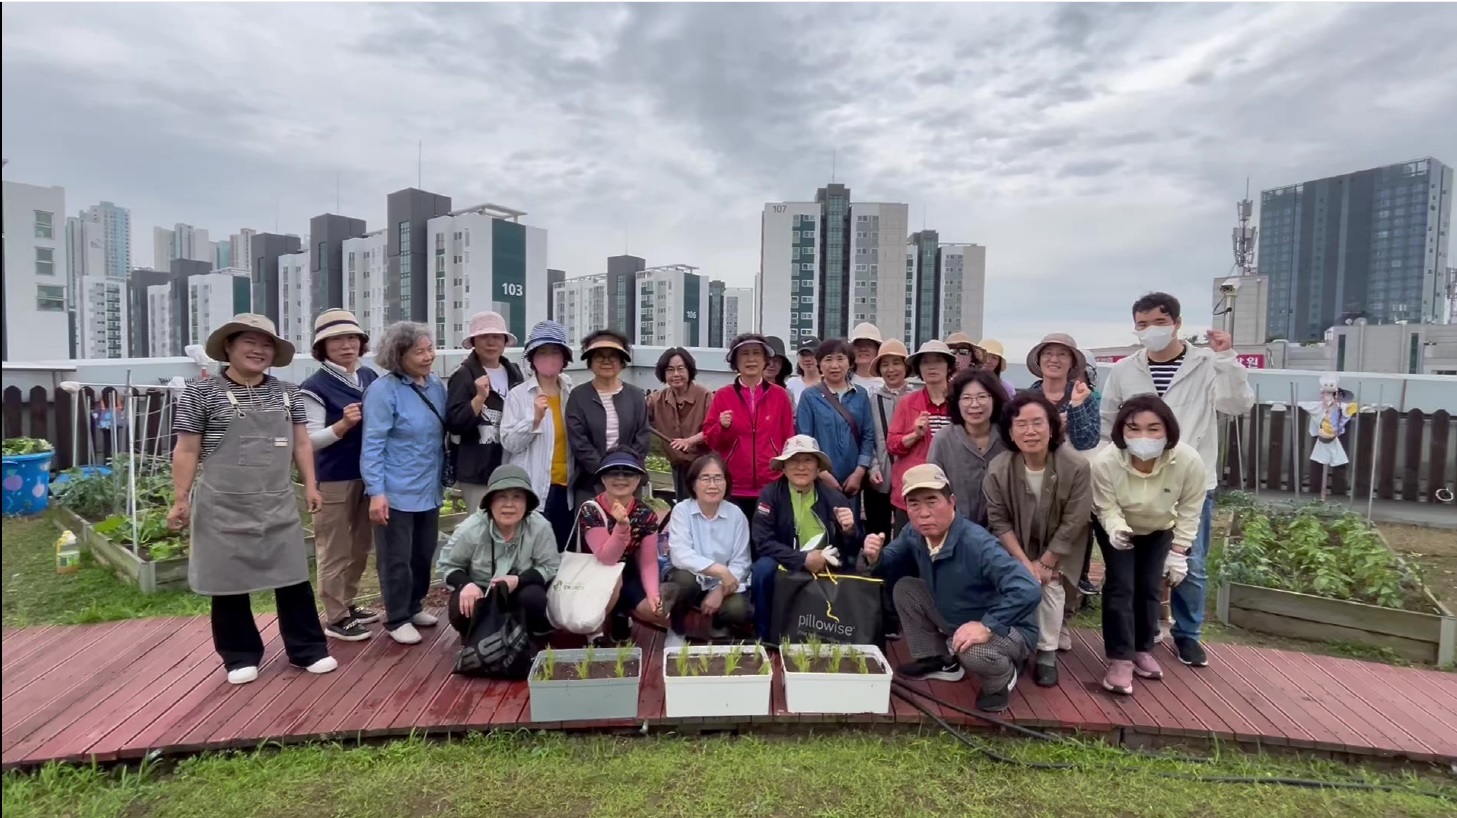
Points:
(17, 446)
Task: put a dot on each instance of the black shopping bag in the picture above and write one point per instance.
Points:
(843, 608)
(497, 645)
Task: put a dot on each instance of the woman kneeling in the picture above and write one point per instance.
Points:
(619, 528)
(708, 542)
(505, 547)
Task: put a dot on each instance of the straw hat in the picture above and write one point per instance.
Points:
(931, 347)
(894, 348)
(217, 343)
(487, 323)
(960, 339)
(993, 347)
(797, 445)
(1080, 362)
(865, 332)
(336, 322)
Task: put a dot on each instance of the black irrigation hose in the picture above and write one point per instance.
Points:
(1303, 783)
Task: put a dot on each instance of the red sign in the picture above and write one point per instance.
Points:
(1109, 359)
(1254, 360)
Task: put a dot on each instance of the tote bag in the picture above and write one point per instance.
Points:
(577, 600)
(843, 608)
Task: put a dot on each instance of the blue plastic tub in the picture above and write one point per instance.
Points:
(27, 482)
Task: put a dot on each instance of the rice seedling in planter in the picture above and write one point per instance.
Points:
(836, 678)
(717, 680)
(585, 685)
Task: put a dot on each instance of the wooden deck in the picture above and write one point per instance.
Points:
(123, 690)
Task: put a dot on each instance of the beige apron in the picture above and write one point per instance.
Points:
(246, 532)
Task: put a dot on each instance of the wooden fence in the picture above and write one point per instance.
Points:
(1415, 453)
(1405, 455)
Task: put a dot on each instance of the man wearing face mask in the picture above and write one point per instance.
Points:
(1197, 383)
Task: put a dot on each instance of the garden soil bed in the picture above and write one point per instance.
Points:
(599, 669)
(749, 665)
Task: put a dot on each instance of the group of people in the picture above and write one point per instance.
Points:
(976, 502)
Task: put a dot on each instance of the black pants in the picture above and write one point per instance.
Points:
(1132, 583)
(879, 514)
(530, 600)
(735, 613)
(404, 549)
(558, 512)
(680, 483)
(235, 633)
(748, 505)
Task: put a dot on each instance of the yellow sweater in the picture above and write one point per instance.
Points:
(1171, 496)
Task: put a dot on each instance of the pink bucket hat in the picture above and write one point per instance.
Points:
(487, 323)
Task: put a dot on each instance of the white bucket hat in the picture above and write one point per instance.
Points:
(797, 445)
(487, 323)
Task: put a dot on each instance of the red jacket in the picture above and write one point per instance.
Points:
(754, 438)
(907, 412)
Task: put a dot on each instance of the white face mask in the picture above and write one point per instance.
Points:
(1155, 339)
(1146, 448)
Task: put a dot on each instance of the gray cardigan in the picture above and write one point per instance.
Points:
(882, 409)
(952, 450)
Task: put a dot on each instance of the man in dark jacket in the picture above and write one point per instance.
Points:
(474, 398)
(793, 511)
(973, 605)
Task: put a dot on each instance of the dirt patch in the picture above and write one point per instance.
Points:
(1434, 550)
(748, 665)
(601, 669)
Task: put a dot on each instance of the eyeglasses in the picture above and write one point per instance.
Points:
(620, 473)
(975, 398)
(711, 479)
(1025, 425)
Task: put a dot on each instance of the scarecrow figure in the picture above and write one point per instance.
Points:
(1328, 419)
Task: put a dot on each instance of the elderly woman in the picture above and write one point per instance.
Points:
(837, 415)
(708, 542)
(676, 413)
(966, 351)
(403, 462)
(507, 548)
(1039, 503)
(919, 416)
(994, 360)
(892, 369)
(606, 413)
(748, 421)
(237, 434)
(966, 448)
(1058, 365)
(475, 401)
(619, 528)
(534, 427)
(792, 512)
(808, 370)
(334, 403)
(1148, 493)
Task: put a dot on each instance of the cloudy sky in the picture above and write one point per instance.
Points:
(1097, 151)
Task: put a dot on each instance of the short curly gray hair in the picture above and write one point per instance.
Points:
(397, 339)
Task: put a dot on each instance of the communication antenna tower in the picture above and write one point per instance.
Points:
(1244, 235)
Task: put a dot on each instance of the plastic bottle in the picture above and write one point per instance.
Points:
(68, 553)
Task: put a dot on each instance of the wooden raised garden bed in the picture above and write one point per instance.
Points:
(1424, 630)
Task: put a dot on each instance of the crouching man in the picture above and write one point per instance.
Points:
(971, 606)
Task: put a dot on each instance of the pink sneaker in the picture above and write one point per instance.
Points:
(1119, 678)
(1146, 666)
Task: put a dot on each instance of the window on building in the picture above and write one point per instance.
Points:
(44, 226)
(45, 261)
(50, 298)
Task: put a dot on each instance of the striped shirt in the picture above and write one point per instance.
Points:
(1163, 372)
(203, 407)
(609, 409)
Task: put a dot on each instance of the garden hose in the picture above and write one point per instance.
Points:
(1304, 783)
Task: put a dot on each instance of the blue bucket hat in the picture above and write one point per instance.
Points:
(621, 459)
(548, 333)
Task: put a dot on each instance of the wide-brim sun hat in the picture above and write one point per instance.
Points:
(894, 348)
(510, 476)
(797, 445)
(336, 322)
(548, 333)
(1034, 364)
(931, 347)
(776, 346)
(621, 460)
(991, 346)
(217, 343)
(866, 331)
(760, 341)
(487, 323)
(960, 339)
(607, 342)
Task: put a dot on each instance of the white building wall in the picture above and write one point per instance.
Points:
(210, 299)
(182, 241)
(295, 298)
(101, 317)
(37, 266)
(738, 311)
(581, 306)
(877, 273)
(788, 283)
(365, 269)
(116, 230)
(663, 310)
(463, 280)
(161, 335)
(963, 290)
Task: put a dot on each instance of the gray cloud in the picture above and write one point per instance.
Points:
(1095, 149)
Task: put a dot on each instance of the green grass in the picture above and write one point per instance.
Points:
(848, 774)
(34, 594)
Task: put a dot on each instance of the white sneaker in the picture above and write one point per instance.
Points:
(328, 664)
(674, 640)
(242, 675)
(406, 634)
(424, 620)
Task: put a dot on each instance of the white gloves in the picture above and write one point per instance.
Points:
(1121, 539)
(1176, 567)
(832, 556)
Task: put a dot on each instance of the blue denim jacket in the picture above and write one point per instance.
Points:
(403, 443)
(819, 419)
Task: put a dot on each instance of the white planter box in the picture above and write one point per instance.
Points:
(715, 696)
(845, 692)
(584, 699)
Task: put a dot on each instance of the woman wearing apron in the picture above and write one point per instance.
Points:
(237, 434)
